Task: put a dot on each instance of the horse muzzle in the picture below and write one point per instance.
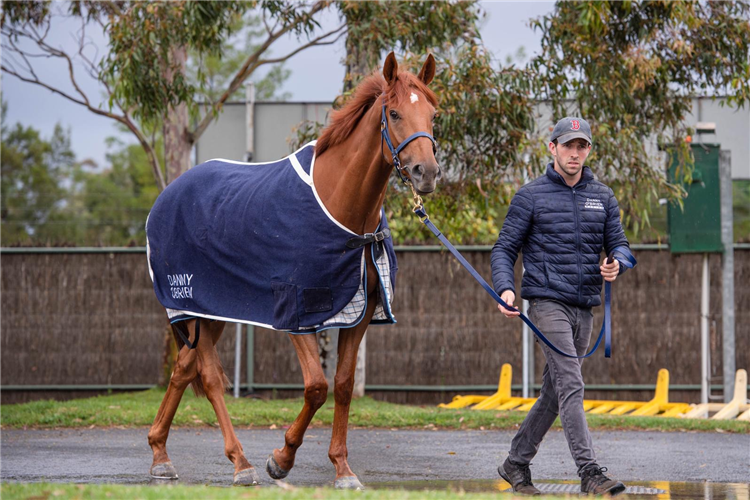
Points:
(424, 177)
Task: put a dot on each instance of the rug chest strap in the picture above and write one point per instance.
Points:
(360, 241)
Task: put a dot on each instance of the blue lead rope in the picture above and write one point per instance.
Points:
(626, 259)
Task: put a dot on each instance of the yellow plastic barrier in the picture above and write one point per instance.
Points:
(737, 407)
(503, 388)
(659, 405)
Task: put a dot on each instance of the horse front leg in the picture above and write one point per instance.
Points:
(281, 461)
(348, 346)
(213, 379)
(185, 371)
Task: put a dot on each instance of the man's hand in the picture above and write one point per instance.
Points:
(508, 297)
(610, 271)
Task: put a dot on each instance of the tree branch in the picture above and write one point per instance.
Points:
(90, 66)
(249, 66)
(269, 30)
(303, 47)
(124, 119)
(36, 81)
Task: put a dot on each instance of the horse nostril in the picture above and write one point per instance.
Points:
(439, 174)
(417, 171)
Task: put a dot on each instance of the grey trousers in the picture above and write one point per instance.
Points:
(569, 329)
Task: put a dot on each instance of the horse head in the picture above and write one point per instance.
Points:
(408, 111)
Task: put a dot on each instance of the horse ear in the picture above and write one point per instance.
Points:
(427, 73)
(390, 69)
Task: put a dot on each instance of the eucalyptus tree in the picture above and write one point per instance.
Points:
(144, 71)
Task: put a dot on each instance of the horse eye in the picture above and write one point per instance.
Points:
(394, 115)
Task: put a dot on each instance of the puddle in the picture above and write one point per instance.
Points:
(652, 490)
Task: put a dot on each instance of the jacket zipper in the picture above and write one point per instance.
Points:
(578, 245)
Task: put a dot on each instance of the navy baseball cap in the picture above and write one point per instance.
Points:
(569, 128)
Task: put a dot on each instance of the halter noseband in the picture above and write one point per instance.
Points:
(386, 136)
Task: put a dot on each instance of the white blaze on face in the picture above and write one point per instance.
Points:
(413, 97)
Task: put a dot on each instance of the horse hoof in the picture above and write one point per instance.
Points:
(247, 477)
(163, 471)
(348, 483)
(274, 470)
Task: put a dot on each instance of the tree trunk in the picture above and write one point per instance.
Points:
(361, 58)
(177, 146)
(177, 141)
(357, 64)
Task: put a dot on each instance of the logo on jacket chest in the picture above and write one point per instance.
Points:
(593, 204)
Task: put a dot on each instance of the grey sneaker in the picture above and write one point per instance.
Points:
(519, 477)
(594, 482)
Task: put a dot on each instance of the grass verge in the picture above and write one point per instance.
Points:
(39, 491)
(137, 409)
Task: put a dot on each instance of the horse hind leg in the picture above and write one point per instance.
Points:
(213, 382)
(281, 461)
(185, 371)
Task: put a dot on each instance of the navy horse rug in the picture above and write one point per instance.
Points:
(253, 243)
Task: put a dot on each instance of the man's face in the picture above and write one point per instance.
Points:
(569, 157)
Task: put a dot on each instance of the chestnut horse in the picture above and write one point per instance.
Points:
(352, 169)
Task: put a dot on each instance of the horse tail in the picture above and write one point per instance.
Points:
(197, 386)
(179, 331)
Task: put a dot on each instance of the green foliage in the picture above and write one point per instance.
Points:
(34, 171)
(140, 66)
(218, 69)
(485, 119)
(376, 28)
(473, 217)
(50, 199)
(631, 68)
(741, 205)
(32, 11)
(111, 205)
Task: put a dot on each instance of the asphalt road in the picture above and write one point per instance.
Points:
(377, 456)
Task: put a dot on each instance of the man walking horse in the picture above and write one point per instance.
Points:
(562, 220)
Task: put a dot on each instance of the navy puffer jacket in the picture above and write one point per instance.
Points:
(562, 231)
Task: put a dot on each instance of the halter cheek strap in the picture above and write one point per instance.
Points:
(386, 137)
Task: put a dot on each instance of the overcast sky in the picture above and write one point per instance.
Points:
(317, 75)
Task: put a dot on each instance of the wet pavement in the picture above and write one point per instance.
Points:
(459, 460)
(646, 490)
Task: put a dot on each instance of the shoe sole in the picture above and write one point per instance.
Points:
(614, 490)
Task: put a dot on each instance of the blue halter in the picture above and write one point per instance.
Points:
(386, 136)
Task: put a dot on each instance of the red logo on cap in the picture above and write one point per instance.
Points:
(575, 124)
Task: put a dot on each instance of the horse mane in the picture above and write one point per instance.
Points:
(346, 119)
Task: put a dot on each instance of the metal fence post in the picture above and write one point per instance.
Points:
(237, 358)
(250, 363)
(727, 275)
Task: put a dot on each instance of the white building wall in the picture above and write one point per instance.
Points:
(275, 123)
